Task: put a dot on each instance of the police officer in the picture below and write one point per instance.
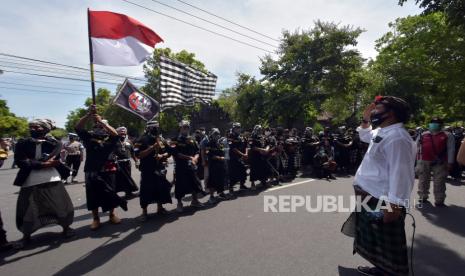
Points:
(74, 151)
(186, 155)
(153, 151)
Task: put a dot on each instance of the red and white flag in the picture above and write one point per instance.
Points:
(119, 40)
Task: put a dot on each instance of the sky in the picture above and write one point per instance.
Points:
(56, 31)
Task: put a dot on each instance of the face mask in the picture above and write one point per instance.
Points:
(99, 133)
(154, 131)
(267, 133)
(122, 138)
(37, 134)
(434, 127)
(184, 132)
(377, 118)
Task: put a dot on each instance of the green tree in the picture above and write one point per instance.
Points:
(312, 67)
(10, 124)
(422, 59)
(102, 102)
(454, 9)
(59, 133)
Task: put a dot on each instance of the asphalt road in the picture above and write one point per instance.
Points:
(235, 237)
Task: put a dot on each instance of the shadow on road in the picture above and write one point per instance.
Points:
(105, 252)
(449, 218)
(434, 258)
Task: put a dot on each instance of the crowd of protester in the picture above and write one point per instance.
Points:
(206, 162)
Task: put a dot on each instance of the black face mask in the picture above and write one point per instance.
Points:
(37, 134)
(377, 118)
(153, 131)
(99, 134)
(122, 138)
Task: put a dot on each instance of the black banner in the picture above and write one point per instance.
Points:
(136, 102)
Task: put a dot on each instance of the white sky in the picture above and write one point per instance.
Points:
(56, 30)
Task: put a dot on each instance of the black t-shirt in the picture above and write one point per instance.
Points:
(97, 151)
(215, 149)
(307, 143)
(184, 145)
(123, 150)
(236, 142)
(150, 163)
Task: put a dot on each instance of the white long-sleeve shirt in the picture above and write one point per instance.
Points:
(387, 169)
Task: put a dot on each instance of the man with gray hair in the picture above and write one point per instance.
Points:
(122, 155)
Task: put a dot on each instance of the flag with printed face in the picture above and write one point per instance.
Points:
(137, 102)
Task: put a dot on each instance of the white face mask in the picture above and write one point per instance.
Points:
(267, 133)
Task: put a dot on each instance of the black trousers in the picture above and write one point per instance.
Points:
(74, 162)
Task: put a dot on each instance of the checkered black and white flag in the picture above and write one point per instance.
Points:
(184, 85)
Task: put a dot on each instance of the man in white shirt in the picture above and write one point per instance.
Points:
(385, 175)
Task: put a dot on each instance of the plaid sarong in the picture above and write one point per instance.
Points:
(382, 244)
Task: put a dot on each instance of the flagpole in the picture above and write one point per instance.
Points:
(91, 57)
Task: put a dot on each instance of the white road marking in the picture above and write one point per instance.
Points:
(289, 185)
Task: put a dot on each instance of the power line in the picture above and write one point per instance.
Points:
(199, 27)
(47, 82)
(40, 86)
(57, 77)
(229, 21)
(43, 91)
(69, 66)
(60, 77)
(53, 68)
(215, 24)
(48, 70)
(56, 70)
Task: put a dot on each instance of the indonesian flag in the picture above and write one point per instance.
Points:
(119, 40)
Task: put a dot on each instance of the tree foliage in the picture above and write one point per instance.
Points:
(10, 124)
(314, 70)
(453, 9)
(422, 59)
